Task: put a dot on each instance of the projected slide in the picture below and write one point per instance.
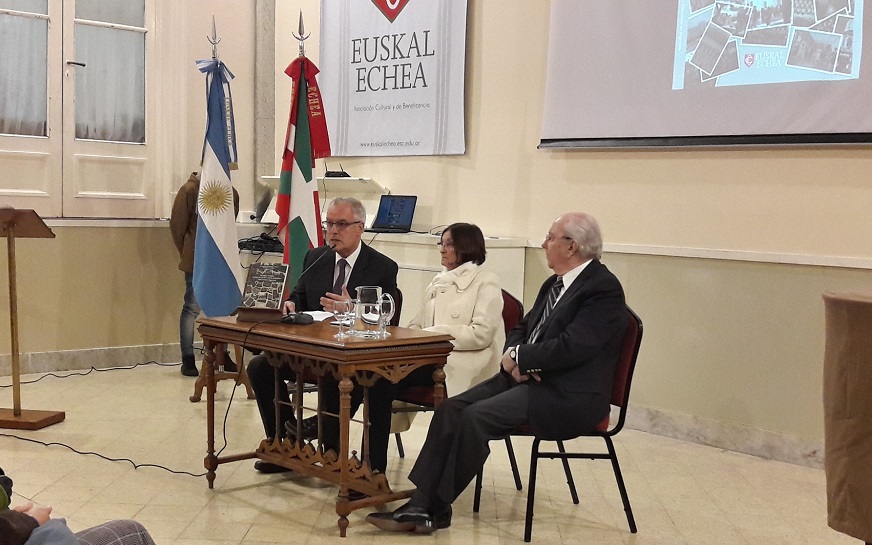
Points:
(723, 43)
(723, 72)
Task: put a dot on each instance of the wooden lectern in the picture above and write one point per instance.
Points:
(21, 224)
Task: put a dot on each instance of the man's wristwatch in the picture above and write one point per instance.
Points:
(513, 353)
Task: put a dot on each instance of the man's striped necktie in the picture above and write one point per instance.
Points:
(552, 300)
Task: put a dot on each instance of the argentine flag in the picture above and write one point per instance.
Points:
(217, 272)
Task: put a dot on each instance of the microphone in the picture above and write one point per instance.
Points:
(301, 318)
(298, 318)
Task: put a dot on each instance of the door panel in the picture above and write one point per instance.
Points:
(96, 180)
(30, 106)
(107, 146)
(27, 174)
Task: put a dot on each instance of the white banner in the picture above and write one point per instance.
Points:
(392, 74)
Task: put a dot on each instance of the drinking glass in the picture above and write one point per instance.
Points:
(342, 311)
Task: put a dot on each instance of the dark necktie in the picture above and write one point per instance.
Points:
(340, 277)
(549, 306)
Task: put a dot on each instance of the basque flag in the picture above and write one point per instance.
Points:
(217, 271)
(306, 140)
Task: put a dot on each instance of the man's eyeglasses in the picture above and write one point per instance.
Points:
(549, 238)
(341, 225)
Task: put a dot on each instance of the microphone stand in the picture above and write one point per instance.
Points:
(301, 318)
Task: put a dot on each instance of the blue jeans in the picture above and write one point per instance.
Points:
(190, 311)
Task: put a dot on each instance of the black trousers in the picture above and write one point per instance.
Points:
(381, 395)
(262, 377)
(457, 441)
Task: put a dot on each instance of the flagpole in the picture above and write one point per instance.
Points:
(217, 276)
(214, 39)
(306, 140)
(301, 35)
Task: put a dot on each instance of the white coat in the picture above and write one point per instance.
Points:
(467, 304)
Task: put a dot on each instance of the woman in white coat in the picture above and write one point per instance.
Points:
(465, 302)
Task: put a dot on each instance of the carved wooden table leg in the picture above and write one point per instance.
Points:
(242, 374)
(211, 461)
(200, 383)
(345, 387)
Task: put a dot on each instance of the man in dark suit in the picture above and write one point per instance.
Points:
(329, 273)
(556, 374)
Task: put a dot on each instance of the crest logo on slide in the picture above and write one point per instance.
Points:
(749, 60)
(390, 8)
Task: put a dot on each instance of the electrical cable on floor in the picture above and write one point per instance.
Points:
(97, 454)
(121, 368)
(91, 370)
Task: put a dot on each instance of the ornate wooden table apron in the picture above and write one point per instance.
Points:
(313, 351)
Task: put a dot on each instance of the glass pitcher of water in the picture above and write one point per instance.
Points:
(372, 309)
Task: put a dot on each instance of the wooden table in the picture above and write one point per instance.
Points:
(312, 350)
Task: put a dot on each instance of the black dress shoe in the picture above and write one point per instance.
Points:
(442, 519)
(408, 518)
(229, 364)
(309, 428)
(267, 467)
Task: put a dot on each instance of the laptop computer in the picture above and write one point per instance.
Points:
(394, 214)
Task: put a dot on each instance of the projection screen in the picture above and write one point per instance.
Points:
(706, 72)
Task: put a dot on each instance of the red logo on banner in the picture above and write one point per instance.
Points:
(749, 60)
(390, 8)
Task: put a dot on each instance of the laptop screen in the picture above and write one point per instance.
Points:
(394, 213)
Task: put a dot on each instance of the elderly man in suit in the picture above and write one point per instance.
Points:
(329, 273)
(556, 374)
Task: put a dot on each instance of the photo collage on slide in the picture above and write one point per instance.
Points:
(749, 42)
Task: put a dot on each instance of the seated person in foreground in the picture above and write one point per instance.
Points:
(32, 525)
(329, 274)
(556, 375)
(465, 302)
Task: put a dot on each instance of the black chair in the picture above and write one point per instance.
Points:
(419, 399)
(398, 308)
(620, 397)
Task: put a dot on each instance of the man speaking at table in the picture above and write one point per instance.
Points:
(329, 273)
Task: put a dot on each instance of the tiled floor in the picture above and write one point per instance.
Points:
(682, 493)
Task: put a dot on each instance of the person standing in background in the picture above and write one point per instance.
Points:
(183, 226)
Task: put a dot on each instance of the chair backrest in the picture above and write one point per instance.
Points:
(513, 311)
(625, 367)
(398, 307)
